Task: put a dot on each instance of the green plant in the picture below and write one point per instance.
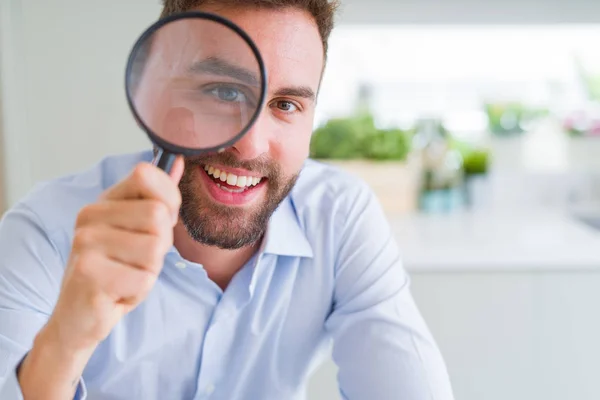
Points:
(338, 139)
(510, 118)
(476, 161)
(386, 144)
(357, 137)
(505, 118)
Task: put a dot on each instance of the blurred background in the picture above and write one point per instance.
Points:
(476, 123)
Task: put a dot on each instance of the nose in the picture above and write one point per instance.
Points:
(255, 142)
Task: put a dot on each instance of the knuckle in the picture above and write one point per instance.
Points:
(146, 283)
(84, 237)
(141, 174)
(86, 263)
(167, 239)
(156, 251)
(86, 214)
(158, 214)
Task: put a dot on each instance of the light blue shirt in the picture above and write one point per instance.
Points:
(329, 273)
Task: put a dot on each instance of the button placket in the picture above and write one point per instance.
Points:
(219, 338)
(217, 344)
(220, 335)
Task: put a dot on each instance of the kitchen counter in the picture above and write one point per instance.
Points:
(511, 299)
(485, 241)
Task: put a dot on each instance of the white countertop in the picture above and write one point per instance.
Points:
(494, 242)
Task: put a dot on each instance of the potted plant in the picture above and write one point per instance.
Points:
(476, 166)
(381, 157)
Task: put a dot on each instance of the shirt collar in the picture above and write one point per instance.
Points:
(284, 235)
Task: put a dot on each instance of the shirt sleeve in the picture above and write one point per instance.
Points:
(30, 275)
(381, 344)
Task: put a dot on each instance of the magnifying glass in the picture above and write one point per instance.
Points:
(195, 83)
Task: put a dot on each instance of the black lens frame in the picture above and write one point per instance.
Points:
(167, 146)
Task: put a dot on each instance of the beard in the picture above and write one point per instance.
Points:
(228, 227)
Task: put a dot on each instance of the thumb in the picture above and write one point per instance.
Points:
(177, 169)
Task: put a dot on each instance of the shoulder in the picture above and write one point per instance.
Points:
(56, 202)
(328, 195)
(328, 188)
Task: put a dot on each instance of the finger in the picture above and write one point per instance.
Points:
(147, 182)
(139, 250)
(177, 169)
(117, 280)
(144, 216)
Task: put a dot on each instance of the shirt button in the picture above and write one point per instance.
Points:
(210, 389)
(180, 265)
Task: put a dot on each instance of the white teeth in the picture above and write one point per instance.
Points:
(240, 190)
(231, 179)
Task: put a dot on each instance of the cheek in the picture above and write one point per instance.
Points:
(292, 147)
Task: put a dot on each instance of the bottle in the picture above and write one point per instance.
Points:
(442, 177)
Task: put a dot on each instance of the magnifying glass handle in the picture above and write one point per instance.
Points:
(164, 160)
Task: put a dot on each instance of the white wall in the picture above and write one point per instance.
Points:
(470, 11)
(63, 67)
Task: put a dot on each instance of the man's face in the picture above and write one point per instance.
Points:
(228, 197)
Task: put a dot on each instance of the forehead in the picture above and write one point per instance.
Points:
(180, 46)
(287, 39)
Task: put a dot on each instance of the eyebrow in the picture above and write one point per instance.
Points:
(297, 91)
(218, 66)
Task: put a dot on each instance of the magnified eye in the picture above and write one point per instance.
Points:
(228, 94)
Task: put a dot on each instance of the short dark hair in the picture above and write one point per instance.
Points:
(323, 11)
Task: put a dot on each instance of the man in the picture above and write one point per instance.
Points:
(124, 282)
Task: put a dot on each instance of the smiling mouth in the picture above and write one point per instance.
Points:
(230, 182)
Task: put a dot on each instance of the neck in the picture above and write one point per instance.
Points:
(221, 265)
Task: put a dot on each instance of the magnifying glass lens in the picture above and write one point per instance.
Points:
(195, 83)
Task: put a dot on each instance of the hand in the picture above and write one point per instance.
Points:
(117, 254)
